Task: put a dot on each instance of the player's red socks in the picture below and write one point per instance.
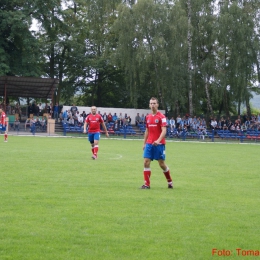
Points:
(147, 175)
(92, 149)
(95, 149)
(6, 136)
(167, 175)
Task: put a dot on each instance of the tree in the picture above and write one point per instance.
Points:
(19, 50)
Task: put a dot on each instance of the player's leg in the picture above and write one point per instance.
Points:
(91, 141)
(96, 141)
(160, 156)
(147, 170)
(166, 172)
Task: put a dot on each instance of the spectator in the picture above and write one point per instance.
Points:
(109, 118)
(30, 110)
(65, 116)
(71, 121)
(84, 116)
(142, 119)
(75, 117)
(56, 112)
(8, 109)
(48, 109)
(120, 117)
(73, 109)
(80, 120)
(17, 110)
(114, 118)
(116, 126)
(43, 122)
(178, 121)
(129, 120)
(105, 118)
(172, 124)
(32, 125)
(167, 122)
(213, 123)
(17, 124)
(137, 119)
(40, 109)
(36, 110)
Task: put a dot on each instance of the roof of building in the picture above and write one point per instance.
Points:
(25, 87)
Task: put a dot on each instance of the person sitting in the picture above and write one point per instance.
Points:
(129, 120)
(43, 123)
(17, 124)
(116, 126)
(80, 120)
(213, 124)
(37, 123)
(32, 125)
(27, 123)
(172, 124)
(71, 121)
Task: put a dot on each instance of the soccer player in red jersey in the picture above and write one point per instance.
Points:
(93, 121)
(2, 119)
(154, 144)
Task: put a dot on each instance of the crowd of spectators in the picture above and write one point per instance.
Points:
(188, 124)
(73, 117)
(177, 125)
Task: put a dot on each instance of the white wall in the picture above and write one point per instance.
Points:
(129, 111)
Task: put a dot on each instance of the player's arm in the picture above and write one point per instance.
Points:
(105, 128)
(145, 136)
(162, 135)
(85, 127)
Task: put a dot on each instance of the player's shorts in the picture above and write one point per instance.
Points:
(2, 127)
(93, 136)
(153, 152)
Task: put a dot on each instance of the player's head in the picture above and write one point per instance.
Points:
(93, 110)
(154, 104)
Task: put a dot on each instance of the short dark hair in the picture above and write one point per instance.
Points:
(154, 98)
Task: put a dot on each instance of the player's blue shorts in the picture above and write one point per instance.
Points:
(2, 127)
(93, 136)
(153, 152)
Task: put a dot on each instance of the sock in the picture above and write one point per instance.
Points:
(95, 149)
(5, 137)
(168, 175)
(92, 149)
(147, 175)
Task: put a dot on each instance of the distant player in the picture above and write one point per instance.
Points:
(93, 121)
(154, 144)
(2, 120)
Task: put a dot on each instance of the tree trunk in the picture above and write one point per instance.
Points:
(209, 106)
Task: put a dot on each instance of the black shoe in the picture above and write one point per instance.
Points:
(170, 186)
(145, 187)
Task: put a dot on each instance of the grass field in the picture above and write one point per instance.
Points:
(57, 203)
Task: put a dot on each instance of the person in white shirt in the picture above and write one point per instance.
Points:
(80, 120)
(214, 123)
(172, 124)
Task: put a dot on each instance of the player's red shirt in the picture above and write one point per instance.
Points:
(154, 124)
(94, 122)
(2, 118)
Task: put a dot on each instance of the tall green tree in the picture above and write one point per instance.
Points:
(19, 50)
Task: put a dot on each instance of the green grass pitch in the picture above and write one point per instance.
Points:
(57, 203)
